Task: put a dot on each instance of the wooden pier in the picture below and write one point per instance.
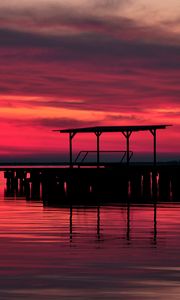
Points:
(88, 183)
(135, 183)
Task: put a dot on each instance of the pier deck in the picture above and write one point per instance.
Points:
(88, 184)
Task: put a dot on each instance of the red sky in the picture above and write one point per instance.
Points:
(87, 63)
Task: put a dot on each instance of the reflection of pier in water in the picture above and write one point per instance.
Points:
(99, 226)
(127, 233)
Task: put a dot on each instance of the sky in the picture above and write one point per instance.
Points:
(79, 63)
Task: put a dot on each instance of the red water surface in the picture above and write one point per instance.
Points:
(110, 252)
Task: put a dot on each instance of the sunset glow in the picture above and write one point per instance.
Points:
(80, 63)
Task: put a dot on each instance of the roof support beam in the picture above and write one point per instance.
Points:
(154, 174)
(127, 135)
(71, 135)
(98, 134)
(153, 131)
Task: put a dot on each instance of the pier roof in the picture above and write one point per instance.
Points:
(125, 130)
(113, 128)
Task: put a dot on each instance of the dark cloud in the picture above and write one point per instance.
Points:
(47, 123)
(120, 117)
(15, 38)
(87, 46)
(44, 26)
(110, 4)
(94, 86)
(57, 13)
(106, 65)
(60, 123)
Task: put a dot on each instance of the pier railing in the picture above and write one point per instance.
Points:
(82, 155)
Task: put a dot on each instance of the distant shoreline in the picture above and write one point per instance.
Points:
(90, 164)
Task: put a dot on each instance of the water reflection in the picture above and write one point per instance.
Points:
(95, 212)
(124, 251)
(98, 224)
(155, 222)
(71, 223)
(128, 222)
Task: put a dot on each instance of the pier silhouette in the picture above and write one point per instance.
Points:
(89, 183)
(88, 186)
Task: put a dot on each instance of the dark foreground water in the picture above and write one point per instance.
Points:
(111, 252)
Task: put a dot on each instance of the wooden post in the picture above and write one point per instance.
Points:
(71, 135)
(153, 131)
(98, 140)
(127, 135)
(154, 172)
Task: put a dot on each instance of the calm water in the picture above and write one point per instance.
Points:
(111, 252)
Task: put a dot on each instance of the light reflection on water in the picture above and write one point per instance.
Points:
(110, 252)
